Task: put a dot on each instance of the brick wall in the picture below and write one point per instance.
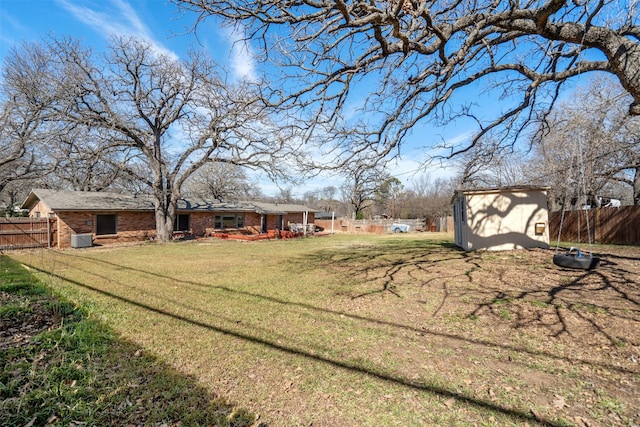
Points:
(73, 223)
(200, 223)
(253, 222)
(130, 226)
(134, 226)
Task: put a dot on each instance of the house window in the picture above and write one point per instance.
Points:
(229, 221)
(106, 224)
(181, 223)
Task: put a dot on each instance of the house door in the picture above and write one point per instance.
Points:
(279, 222)
(263, 223)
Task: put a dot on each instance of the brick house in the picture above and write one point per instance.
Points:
(113, 217)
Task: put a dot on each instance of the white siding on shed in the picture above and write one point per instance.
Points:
(501, 219)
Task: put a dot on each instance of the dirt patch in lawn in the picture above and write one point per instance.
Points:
(507, 328)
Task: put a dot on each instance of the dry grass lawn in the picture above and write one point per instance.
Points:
(375, 330)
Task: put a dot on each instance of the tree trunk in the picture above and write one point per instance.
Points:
(552, 200)
(636, 187)
(165, 210)
(165, 216)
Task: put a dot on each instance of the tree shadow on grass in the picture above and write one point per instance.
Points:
(387, 263)
(525, 283)
(350, 366)
(492, 298)
(588, 306)
(378, 267)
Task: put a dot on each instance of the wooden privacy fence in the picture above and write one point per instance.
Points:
(16, 233)
(606, 225)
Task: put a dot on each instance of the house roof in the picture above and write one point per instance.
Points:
(204, 205)
(64, 200)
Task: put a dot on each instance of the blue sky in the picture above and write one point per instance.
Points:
(95, 21)
(160, 23)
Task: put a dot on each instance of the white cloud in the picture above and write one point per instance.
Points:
(122, 19)
(462, 138)
(241, 57)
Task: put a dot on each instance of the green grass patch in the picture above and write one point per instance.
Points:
(505, 314)
(502, 301)
(539, 304)
(343, 330)
(76, 372)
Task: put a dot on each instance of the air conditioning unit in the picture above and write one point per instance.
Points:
(81, 240)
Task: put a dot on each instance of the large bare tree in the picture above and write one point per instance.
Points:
(26, 129)
(487, 164)
(589, 146)
(16, 160)
(166, 117)
(429, 197)
(83, 162)
(419, 60)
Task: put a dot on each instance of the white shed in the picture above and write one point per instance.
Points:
(501, 218)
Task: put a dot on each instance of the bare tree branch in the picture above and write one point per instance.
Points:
(416, 60)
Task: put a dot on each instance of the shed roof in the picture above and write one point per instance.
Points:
(506, 189)
(65, 200)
